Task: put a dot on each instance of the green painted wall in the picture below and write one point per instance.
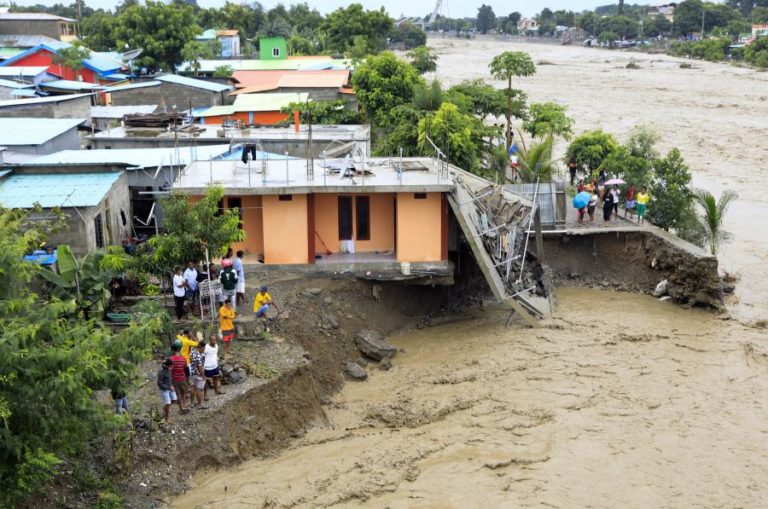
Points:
(273, 48)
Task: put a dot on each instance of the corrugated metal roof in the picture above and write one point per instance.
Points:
(69, 85)
(32, 16)
(40, 100)
(194, 83)
(119, 112)
(3, 173)
(267, 102)
(132, 86)
(7, 52)
(25, 41)
(132, 158)
(227, 33)
(15, 84)
(9, 72)
(296, 64)
(56, 189)
(35, 131)
(269, 80)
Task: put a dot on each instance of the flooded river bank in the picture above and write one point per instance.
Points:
(620, 401)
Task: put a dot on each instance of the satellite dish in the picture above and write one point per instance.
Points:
(130, 55)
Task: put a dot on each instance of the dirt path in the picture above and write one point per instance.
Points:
(628, 412)
(716, 114)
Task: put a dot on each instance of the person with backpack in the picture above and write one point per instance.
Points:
(228, 280)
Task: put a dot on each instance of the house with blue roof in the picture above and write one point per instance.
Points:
(95, 205)
(97, 68)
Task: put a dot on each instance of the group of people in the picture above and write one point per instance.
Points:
(635, 203)
(186, 374)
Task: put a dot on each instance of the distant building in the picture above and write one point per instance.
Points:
(760, 30)
(97, 68)
(95, 204)
(228, 39)
(320, 85)
(40, 136)
(252, 109)
(526, 24)
(273, 48)
(35, 23)
(169, 90)
(60, 106)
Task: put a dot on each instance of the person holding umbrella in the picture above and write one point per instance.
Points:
(580, 202)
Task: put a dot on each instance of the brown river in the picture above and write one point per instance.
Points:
(620, 400)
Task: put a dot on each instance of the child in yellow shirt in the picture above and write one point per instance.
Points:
(227, 325)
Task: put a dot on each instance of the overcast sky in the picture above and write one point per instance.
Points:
(452, 8)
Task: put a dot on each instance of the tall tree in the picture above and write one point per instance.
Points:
(486, 19)
(505, 66)
(343, 25)
(670, 191)
(161, 30)
(450, 130)
(548, 118)
(382, 83)
(423, 59)
(621, 7)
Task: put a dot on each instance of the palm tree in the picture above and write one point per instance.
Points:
(536, 161)
(713, 214)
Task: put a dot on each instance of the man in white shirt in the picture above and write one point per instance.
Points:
(179, 292)
(211, 365)
(190, 276)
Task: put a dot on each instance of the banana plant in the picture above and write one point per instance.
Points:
(86, 281)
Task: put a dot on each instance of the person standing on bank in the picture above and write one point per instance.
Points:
(228, 280)
(572, 167)
(629, 201)
(179, 292)
(607, 206)
(643, 197)
(615, 196)
(592, 205)
(237, 264)
(227, 325)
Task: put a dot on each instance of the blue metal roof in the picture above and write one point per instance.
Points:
(69, 85)
(56, 189)
(102, 63)
(192, 82)
(35, 131)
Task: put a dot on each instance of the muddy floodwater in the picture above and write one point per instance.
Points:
(620, 401)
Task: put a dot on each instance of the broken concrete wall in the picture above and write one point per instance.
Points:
(635, 261)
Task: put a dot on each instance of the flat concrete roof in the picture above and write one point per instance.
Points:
(210, 132)
(290, 177)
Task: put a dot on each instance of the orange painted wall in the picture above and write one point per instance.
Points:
(382, 217)
(252, 226)
(419, 228)
(285, 230)
(259, 117)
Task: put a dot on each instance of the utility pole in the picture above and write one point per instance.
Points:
(703, 15)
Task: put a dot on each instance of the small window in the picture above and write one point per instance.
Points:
(237, 203)
(123, 219)
(285, 197)
(419, 196)
(363, 216)
(98, 226)
(275, 52)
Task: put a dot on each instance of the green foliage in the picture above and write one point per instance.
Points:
(382, 83)
(402, 134)
(324, 112)
(759, 14)
(714, 49)
(222, 71)
(591, 148)
(536, 161)
(428, 98)
(190, 228)
(486, 19)
(670, 191)
(607, 37)
(423, 59)
(688, 16)
(87, 281)
(72, 57)
(410, 36)
(52, 361)
(642, 142)
(757, 53)
(343, 25)
(194, 51)
(623, 163)
(484, 100)
(162, 30)
(97, 31)
(503, 67)
(713, 212)
(548, 118)
(452, 132)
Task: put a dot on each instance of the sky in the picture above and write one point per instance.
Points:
(451, 8)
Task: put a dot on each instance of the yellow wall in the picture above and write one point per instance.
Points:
(285, 230)
(382, 217)
(252, 226)
(419, 228)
